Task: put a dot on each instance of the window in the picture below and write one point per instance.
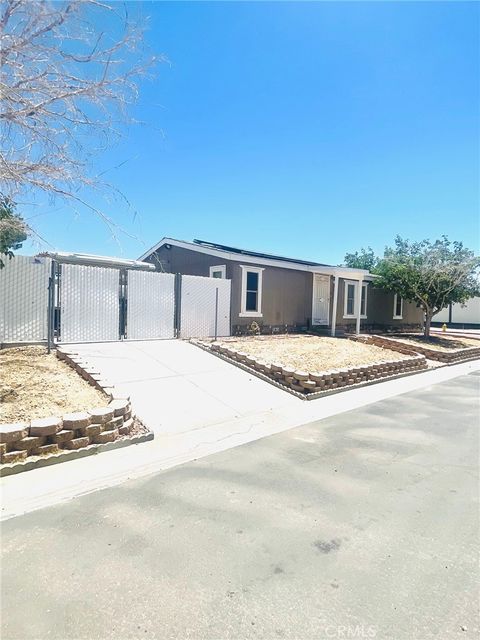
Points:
(349, 309)
(397, 307)
(251, 302)
(363, 302)
(350, 300)
(219, 271)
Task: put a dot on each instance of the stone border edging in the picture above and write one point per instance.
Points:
(307, 394)
(57, 438)
(71, 431)
(63, 456)
(87, 372)
(454, 356)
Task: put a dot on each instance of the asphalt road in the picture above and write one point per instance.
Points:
(364, 525)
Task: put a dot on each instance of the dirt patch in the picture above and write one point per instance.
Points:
(312, 353)
(438, 343)
(35, 384)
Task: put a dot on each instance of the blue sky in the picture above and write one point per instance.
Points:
(304, 129)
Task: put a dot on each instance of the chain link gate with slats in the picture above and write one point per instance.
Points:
(48, 300)
(204, 307)
(150, 305)
(89, 303)
(24, 299)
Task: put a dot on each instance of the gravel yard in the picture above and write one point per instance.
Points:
(438, 343)
(311, 353)
(35, 384)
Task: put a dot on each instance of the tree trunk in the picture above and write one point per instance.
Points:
(428, 320)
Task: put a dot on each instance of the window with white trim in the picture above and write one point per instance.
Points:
(219, 271)
(251, 297)
(363, 302)
(397, 307)
(350, 297)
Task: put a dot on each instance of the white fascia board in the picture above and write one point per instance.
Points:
(343, 272)
(154, 248)
(89, 258)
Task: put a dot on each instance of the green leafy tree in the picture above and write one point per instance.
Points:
(363, 259)
(431, 274)
(13, 230)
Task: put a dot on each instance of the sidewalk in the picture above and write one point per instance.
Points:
(50, 485)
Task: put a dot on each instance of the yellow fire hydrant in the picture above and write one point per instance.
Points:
(444, 327)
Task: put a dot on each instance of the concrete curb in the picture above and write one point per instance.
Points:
(64, 456)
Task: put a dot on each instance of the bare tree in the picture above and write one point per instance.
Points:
(69, 72)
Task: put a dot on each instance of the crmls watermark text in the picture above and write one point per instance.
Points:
(350, 631)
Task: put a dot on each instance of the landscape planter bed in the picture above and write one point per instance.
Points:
(448, 357)
(28, 444)
(310, 385)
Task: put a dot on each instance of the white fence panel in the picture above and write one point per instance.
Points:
(442, 316)
(89, 304)
(24, 299)
(150, 305)
(468, 313)
(197, 307)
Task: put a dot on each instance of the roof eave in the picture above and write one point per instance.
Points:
(241, 257)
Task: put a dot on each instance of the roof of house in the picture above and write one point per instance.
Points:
(249, 257)
(256, 254)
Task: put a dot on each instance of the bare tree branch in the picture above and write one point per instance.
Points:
(66, 88)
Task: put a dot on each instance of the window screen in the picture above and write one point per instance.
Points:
(350, 299)
(252, 291)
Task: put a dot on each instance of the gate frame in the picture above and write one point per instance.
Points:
(54, 319)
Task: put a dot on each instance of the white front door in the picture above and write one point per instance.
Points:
(321, 299)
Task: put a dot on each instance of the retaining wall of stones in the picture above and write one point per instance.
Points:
(448, 357)
(306, 382)
(85, 369)
(45, 436)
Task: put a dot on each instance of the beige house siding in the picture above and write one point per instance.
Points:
(379, 310)
(286, 294)
(287, 297)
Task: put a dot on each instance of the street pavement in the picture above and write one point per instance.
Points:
(362, 525)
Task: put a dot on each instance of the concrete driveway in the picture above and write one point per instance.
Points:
(363, 525)
(176, 387)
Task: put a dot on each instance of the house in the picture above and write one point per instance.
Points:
(280, 293)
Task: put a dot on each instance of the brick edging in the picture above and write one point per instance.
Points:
(63, 456)
(88, 373)
(324, 383)
(447, 357)
(45, 438)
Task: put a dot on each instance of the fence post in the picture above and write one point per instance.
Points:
(177, 314)
(123, 302)
(216, 312)
(51, 307)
